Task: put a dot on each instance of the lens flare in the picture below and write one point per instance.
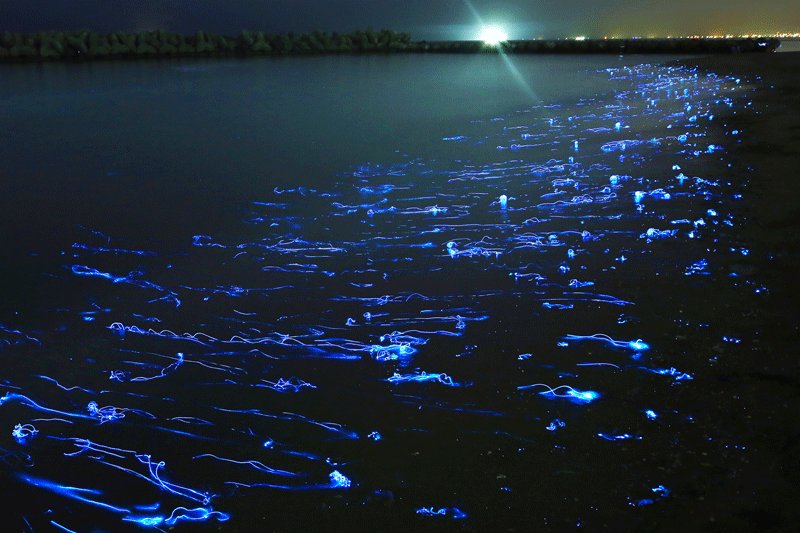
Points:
(493, 35)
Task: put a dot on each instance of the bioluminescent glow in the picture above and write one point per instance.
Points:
(76, 493)
(423, 377)
(286, 385)
(180, 514)
(660, 492)
(61, 527)
(11, 337)
(112, 457)
(332, 427)
(132, 278)
(677, 375)
(564, 391)
(338, 480)
(24, 400)
(449, 512)
(637, 345)
(257, 465)
(24, 432)
(621, 436)
(332, 337)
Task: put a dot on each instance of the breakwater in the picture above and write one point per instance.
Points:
(86, 45)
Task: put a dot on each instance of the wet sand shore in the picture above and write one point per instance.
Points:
(773, 140)
(761, 394)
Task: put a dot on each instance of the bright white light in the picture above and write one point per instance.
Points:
(493, 35)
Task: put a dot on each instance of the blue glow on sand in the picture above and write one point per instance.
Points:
(423, 377)
(621, 436)
(74, 493)
(660, 492)
(564, 391)
(255, 464)
(392, 352)
(24, 432)
(339, 481)
(672, 371)
(180, 514)
(637, 345)
(24, 400)
(292, 384)
(452, 512)
(360, 281)
(105, 414)
(132, 463)
(133, 278)
(62, 527)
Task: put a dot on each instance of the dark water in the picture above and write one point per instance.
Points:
(371, 292)
(789, 46)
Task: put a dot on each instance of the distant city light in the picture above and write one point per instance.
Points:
(580, 38)
(783, 35)
(493, 35)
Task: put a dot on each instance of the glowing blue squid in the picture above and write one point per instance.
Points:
(566, 392)
(637, 345)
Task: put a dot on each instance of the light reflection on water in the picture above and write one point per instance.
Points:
(511, 325)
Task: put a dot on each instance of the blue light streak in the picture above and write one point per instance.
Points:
(110, 413)
(133, 278)
(660, 493)
(180, 514)
(672, 371)
(340, 265)
(653, 234)
(62, 527)
(74, 493)
(116, 251)
(564, 391)
(637, 345)
(327, 426)
(336, 480)
(24, 400)
(17, 336)
(444, 512)
(22, 433)
(286, 385)
(152, 474)
(423, 377)
(255, 464)
(621, 436)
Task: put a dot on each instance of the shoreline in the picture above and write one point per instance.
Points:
(771, 145)
(82, 46)
(761, 392)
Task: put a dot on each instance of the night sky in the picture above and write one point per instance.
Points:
(425, 19)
